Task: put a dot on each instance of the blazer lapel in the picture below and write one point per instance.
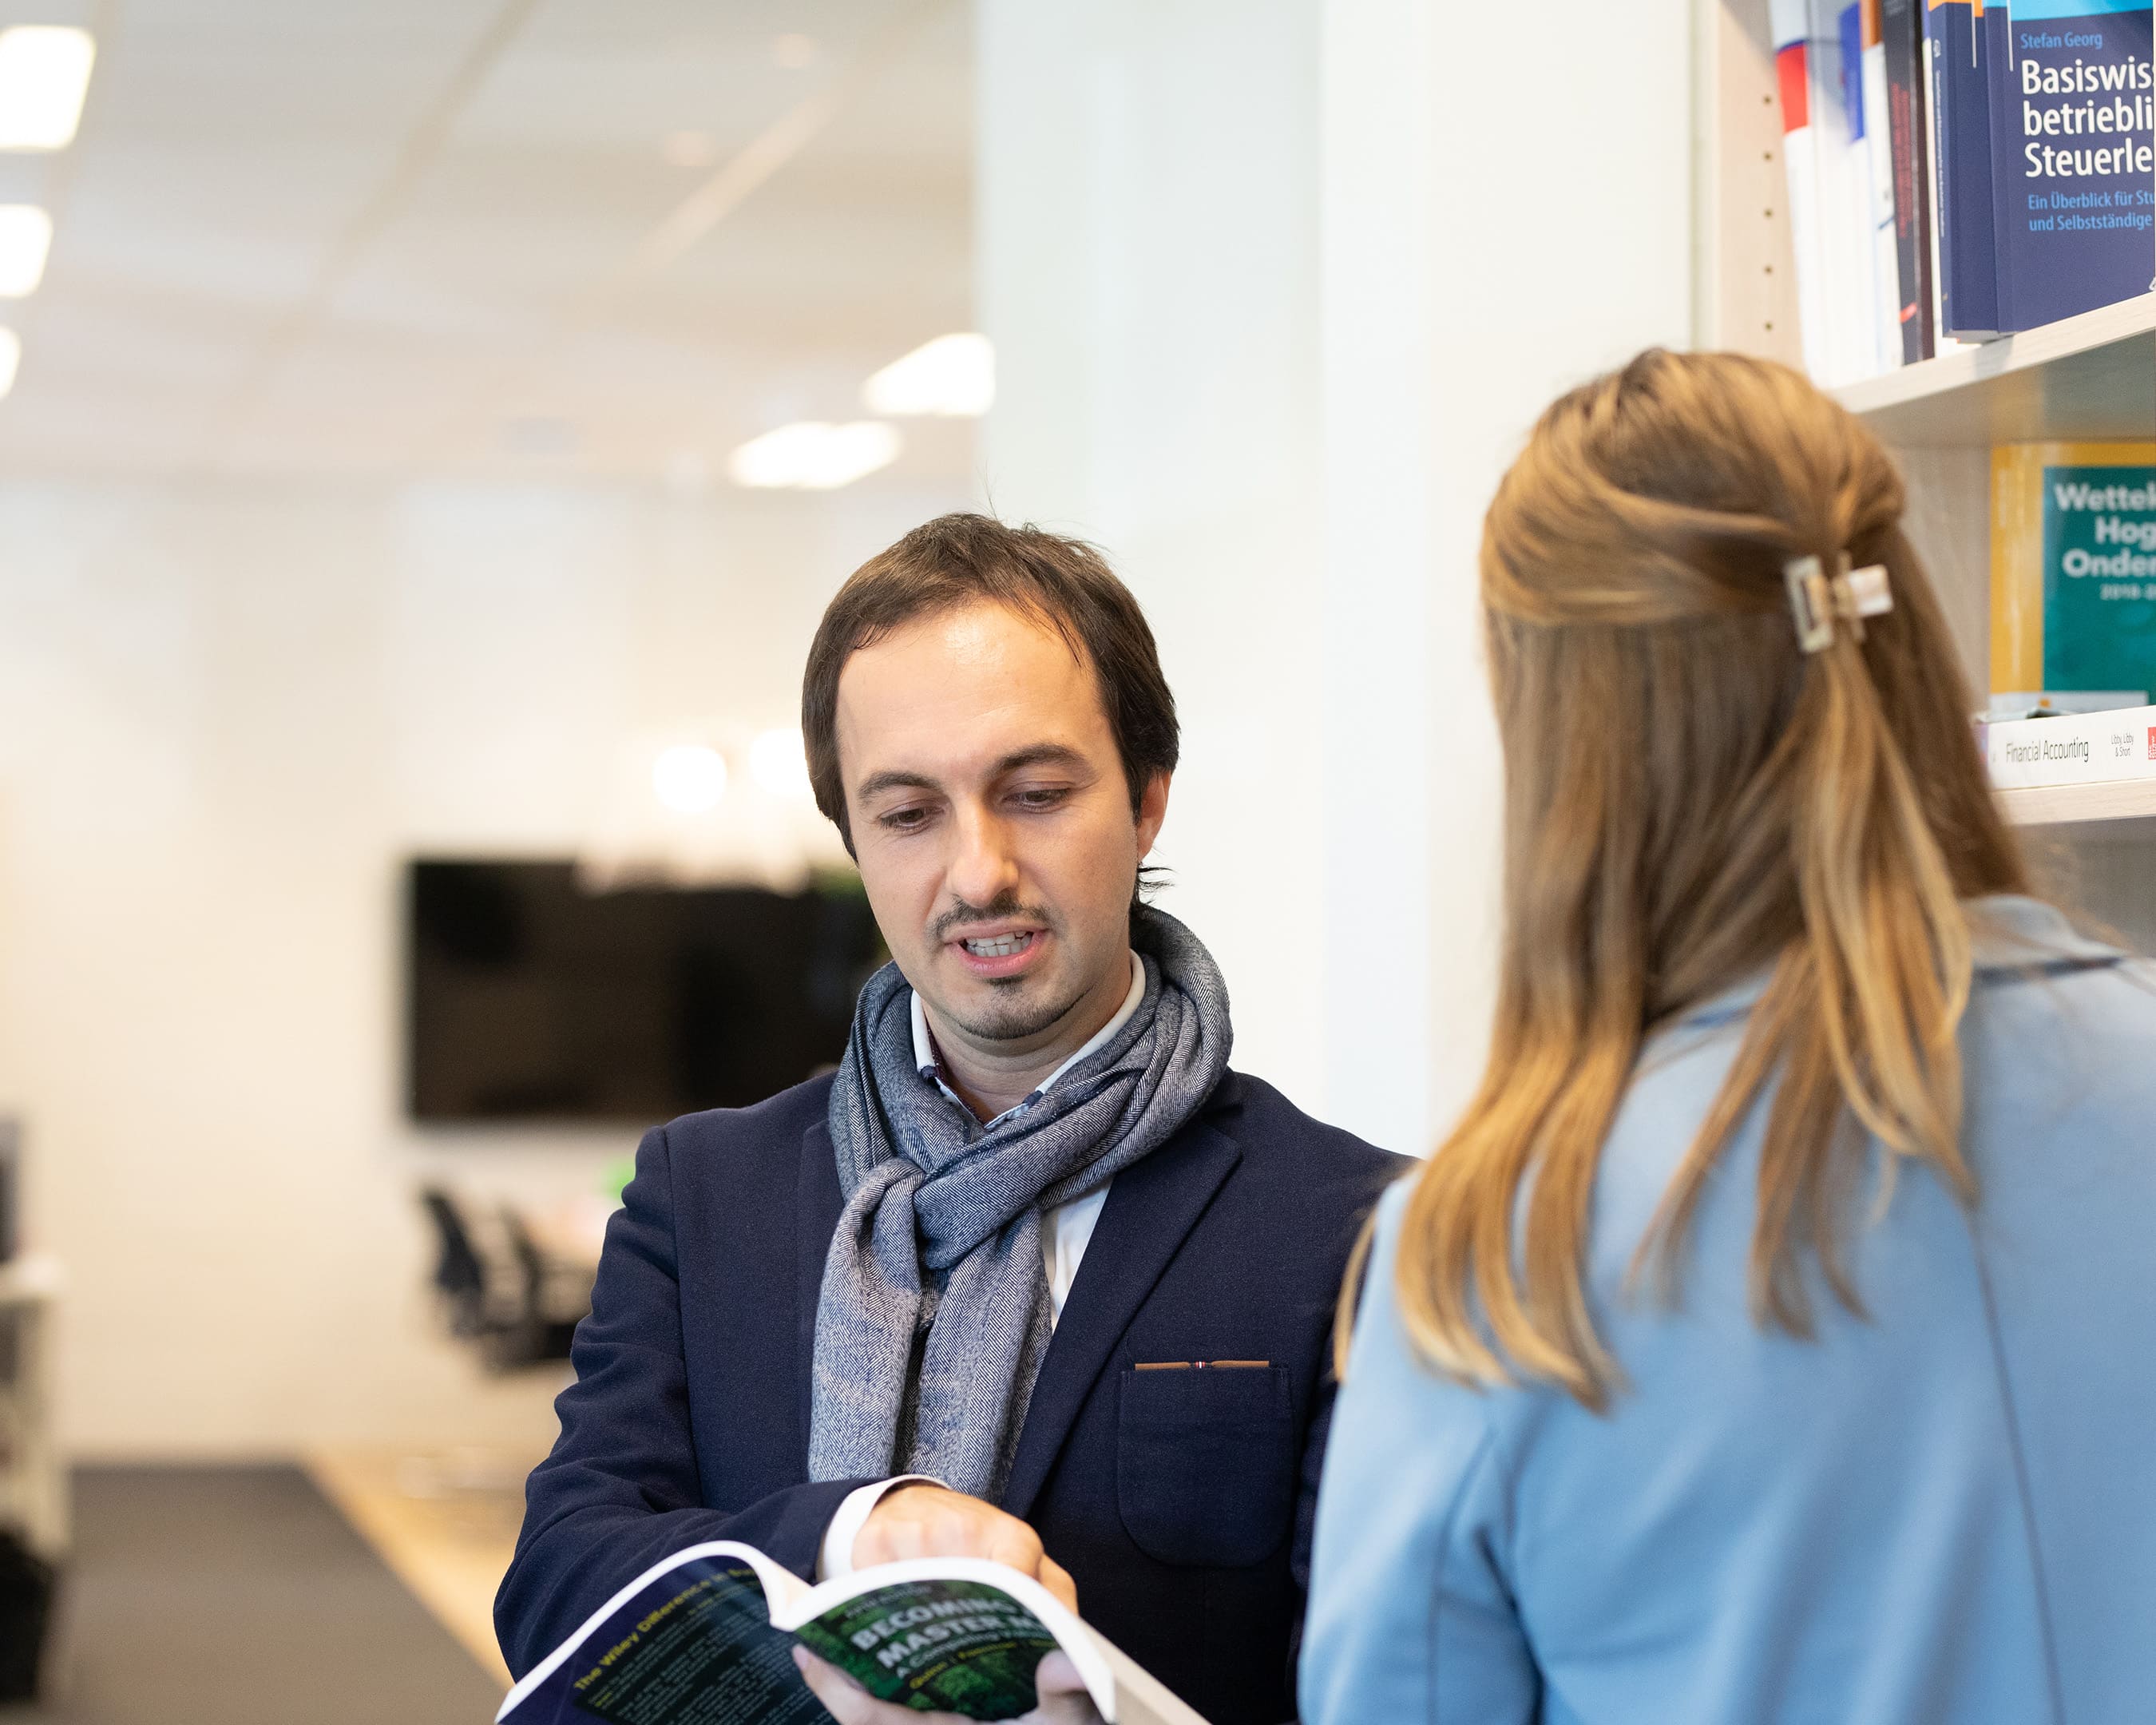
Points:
(815, 1220)
(1152, 1208)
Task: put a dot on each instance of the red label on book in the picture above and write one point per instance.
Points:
(1796, 108)
(2152, 742)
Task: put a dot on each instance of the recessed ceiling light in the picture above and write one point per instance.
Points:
(26, 235)
(794, 52)
(780, 763)
(44, 73)
(778, 458)
(11, 357)
(812, 456)
(849, 453)
(689, 149)
(689, 778)
(953, 376)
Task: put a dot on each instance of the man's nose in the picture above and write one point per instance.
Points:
(983, 866)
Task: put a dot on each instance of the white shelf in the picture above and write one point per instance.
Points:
(2086, 377)
(2052, 805)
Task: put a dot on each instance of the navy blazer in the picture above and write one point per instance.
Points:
(1180, 1501)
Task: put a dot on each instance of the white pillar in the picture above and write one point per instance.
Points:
(1147, 235)
(1558, 188)
(1277, 286)
(1383, 808)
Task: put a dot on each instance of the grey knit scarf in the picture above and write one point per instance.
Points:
(935, 1314)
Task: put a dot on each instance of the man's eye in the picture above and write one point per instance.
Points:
(1041, 799)
(903, 820)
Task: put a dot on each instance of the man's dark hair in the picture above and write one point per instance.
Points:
(960, 560)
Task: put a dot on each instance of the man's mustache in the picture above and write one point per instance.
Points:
(1005, 908)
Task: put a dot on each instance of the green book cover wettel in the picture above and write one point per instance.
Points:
(706, 1638)
(2073, 566)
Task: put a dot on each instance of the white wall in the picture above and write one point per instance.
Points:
(1277, 287)
(1552, 178)
(1146, 224)
(226, 713)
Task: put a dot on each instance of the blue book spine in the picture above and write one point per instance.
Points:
(2073, 130)
(1903, 29)
(1961, 157)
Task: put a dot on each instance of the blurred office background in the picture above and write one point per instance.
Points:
(387, 479)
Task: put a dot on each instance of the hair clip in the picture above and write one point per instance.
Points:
(1815, 599)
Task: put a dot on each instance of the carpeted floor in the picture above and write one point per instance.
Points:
(238, 1596)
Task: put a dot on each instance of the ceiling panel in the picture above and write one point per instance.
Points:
(404, 237)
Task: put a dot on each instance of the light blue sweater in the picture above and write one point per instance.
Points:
(1944, 1513)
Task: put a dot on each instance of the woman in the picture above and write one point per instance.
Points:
(1775, 1339)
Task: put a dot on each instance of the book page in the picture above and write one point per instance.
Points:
(689, 1642)
(1141, 1698)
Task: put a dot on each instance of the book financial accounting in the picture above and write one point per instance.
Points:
(705, 1637)
(2075, 749)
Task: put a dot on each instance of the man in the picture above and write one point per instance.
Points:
(1034, 1276)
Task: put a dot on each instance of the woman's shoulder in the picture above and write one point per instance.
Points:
(2057, 1018)
(2061, 1033)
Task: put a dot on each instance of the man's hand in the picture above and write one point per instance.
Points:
(1063, 1700)
(924, 1521)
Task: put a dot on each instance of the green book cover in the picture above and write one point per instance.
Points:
(956, 1646)
(2074, 566)
(2099, 577)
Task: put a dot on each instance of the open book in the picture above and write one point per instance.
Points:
(706, 1638)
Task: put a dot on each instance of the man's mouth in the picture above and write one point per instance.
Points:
(1000, 946)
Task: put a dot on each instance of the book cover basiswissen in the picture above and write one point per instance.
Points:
(708, 1634)
(2073, 142)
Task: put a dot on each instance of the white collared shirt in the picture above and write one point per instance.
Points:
(1065, 1231)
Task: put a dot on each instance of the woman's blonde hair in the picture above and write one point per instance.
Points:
(1691, 798)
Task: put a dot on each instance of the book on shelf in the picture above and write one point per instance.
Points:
(1957, 50)
(708, 1634)
(2075, 748)
(1909, 161)
(1962, 169)
(1869, 39)
(2073, 566)
(2073, 161)
(1818, 56)
(1791, 25)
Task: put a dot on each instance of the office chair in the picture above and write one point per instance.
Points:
(460, 1277)
(557, 1297)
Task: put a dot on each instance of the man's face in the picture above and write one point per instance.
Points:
(992, 822)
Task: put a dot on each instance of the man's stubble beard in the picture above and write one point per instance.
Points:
(1015, 1018)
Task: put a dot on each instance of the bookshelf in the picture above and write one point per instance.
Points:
(2091, 378)
(2084, 379)
(2061, 805)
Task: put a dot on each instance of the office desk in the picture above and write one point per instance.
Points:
(33, 1494)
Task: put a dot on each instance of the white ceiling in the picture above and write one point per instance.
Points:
(386, 237)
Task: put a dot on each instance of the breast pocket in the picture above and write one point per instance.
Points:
(1205, 1461)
